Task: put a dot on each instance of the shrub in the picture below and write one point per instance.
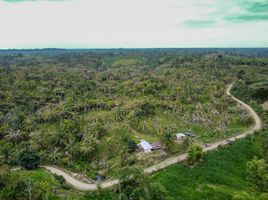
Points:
(4, 174)
(257, 173)
(29, 159)
(195, 153)
(131, 145)
(59, 178)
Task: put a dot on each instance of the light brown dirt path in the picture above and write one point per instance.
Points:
(169, 161)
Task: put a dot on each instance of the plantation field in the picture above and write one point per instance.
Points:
(82, 111)
(221, 175)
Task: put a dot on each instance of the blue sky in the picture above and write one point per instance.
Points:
(133, 23)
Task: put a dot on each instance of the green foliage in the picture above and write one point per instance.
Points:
(4, 175)
(100, 196)
(168, 140)
(6, 153)
(263, 196)
(253, 85)
(129, 62)
(136, 185)
(259, 90)
(158, 191)
(60, 179)
(29, 159)
(23, 185)
(258, 173)
(73, 109)
(194, 153)
(221, 175)
(132, 146)
(241, 74)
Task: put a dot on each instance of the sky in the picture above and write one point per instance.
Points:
(133, 23)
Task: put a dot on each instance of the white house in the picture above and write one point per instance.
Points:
(180, 136)
(144, 146)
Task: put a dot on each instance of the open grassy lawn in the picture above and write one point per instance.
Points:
(221, 175)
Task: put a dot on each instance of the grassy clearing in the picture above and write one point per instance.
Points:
(36, 176)
(130, 61)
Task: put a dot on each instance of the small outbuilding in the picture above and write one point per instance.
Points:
(189, 134)
(144, 146)
(180, 136)
(155, 146)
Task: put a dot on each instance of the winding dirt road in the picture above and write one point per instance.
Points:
(169, 161)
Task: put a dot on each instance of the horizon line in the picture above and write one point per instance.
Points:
(127, 48)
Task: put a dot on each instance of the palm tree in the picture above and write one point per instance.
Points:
(62, 139)
(6, 151)
(55, 155)
(88, 144)
(29, 124)
(71, 151)
(168, 140)
(188, 141)
(14, 136)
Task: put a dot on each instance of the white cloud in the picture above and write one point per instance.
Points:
(119, 23)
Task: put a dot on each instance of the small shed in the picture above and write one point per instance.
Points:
(144, 146)
(189, 134)
(180, 136)
(155, 146)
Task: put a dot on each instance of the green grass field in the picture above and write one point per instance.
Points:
(221, 175)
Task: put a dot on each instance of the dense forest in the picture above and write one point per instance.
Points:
(86, 111)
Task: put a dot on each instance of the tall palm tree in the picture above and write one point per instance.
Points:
(168, 140)
(14, 136)
(55, 155)
(88, 145)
